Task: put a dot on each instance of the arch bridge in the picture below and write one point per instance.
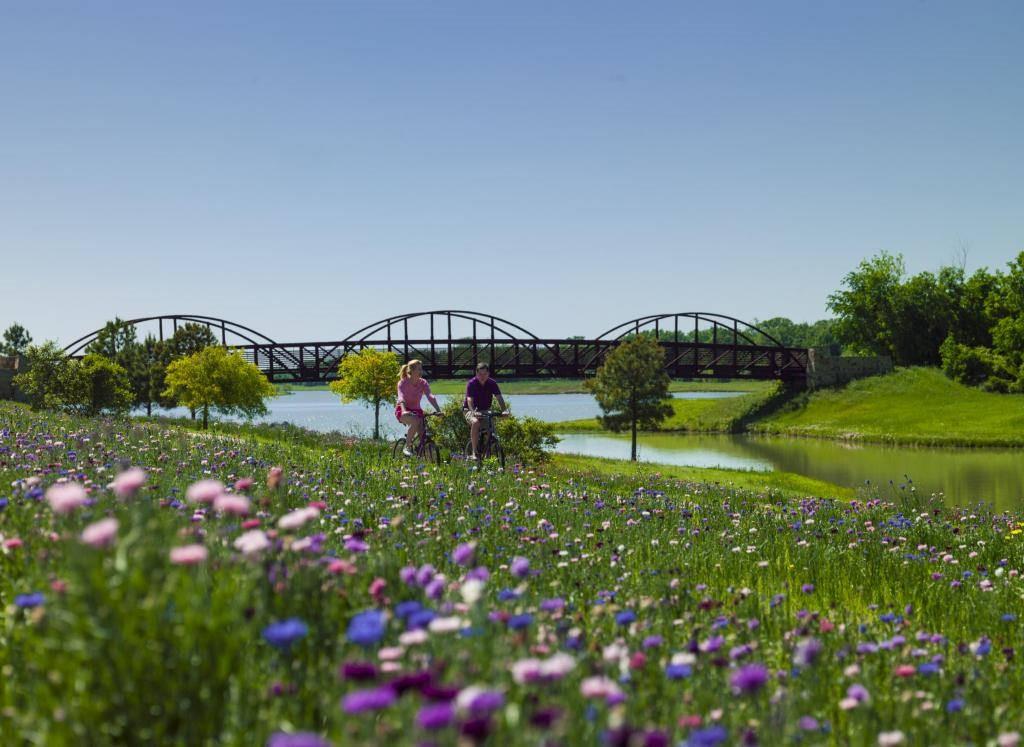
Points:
(451, 342)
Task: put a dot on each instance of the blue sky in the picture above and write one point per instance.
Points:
(308, 167)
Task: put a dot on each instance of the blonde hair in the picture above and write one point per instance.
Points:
(404, 372)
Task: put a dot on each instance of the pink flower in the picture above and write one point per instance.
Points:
(599, 687)
(188, 555)
(377, 588)
(298, 517)
(13, 543)
(226, 503)
(252, 542)
(66, 497)
(905, 670)
(127, 483)
(204, 491)
(243, 483)
(100, 533)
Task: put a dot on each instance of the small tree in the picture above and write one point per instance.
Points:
(96, 385)
(15, 341)
(631, 388)
(369, 376)
(215, 378)
(46, 379)
(191, 338)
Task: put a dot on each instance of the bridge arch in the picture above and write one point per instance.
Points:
(730, 325)
(500, 328)
(225, 327)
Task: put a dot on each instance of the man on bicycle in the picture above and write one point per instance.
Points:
(480, 390)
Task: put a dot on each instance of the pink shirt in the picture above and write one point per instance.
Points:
(410, 392)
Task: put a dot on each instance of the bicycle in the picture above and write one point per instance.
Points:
(490, 444)
(425, 447)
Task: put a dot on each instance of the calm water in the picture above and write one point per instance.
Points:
(962, 475)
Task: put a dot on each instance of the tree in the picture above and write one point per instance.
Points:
(15, 341)
(97, 385)
(631, 387)
(46, 380)
(115, 341)
(866, 309)
(369, 376)
(148, 371)
(191, 338)
(215, 378)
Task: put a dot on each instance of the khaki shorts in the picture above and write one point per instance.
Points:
(472, 416)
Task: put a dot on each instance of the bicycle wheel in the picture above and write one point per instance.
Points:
(495, 450)
(431, 454)
(396, 450)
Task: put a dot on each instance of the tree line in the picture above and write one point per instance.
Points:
(972, 325)
(119, 373)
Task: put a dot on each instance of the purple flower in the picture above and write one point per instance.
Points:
(435, 716)
(358, 670)
(710, 737)
(857, 692)
(955, 706)
(28, 601)
(518, 622)
(807, 652)
(463, 554)
(408, 575)
(435, 588)
(486, 702)
(749, 678)
(366, 628)
(652, 641)
(354, 544)
(404, 609)
(808, 723)
(625, 617)
(283, 634)
(425, 574)
(552, 605)
(297, 739)
(360, 701)
(807, 588)
(678, 671)
(520, 567)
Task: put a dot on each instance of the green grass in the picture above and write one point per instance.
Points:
(725, 415)
(915, 406)
(658, 584)
(562, 386)
(783, 483)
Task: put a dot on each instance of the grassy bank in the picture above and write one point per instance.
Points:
(725, 415)
(560, 386)
(361, 600)
(782, 483)
(916, 406)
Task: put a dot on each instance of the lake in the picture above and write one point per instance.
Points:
(963, 476)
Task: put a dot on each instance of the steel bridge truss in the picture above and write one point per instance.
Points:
(450, 343)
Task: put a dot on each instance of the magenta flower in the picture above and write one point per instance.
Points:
(236, 505)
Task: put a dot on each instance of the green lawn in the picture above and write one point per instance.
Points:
(724, 415)
(911, 406)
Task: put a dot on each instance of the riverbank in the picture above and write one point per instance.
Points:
(909, 407)
(560, 386)
(783, 483)
(719, 415)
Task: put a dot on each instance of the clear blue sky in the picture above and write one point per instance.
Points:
(306, 168)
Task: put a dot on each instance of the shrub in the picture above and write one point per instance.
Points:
(526, 440)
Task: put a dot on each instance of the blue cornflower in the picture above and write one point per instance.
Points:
(678, 671)
(283, 634)
(625, 617)
(366, 628)
(28, 601)
(518, 622)
(955, 706)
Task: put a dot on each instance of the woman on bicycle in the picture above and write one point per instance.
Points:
(411, 388)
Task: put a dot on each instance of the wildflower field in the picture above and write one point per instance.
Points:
(163, 586)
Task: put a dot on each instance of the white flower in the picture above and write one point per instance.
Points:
(252, 542)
